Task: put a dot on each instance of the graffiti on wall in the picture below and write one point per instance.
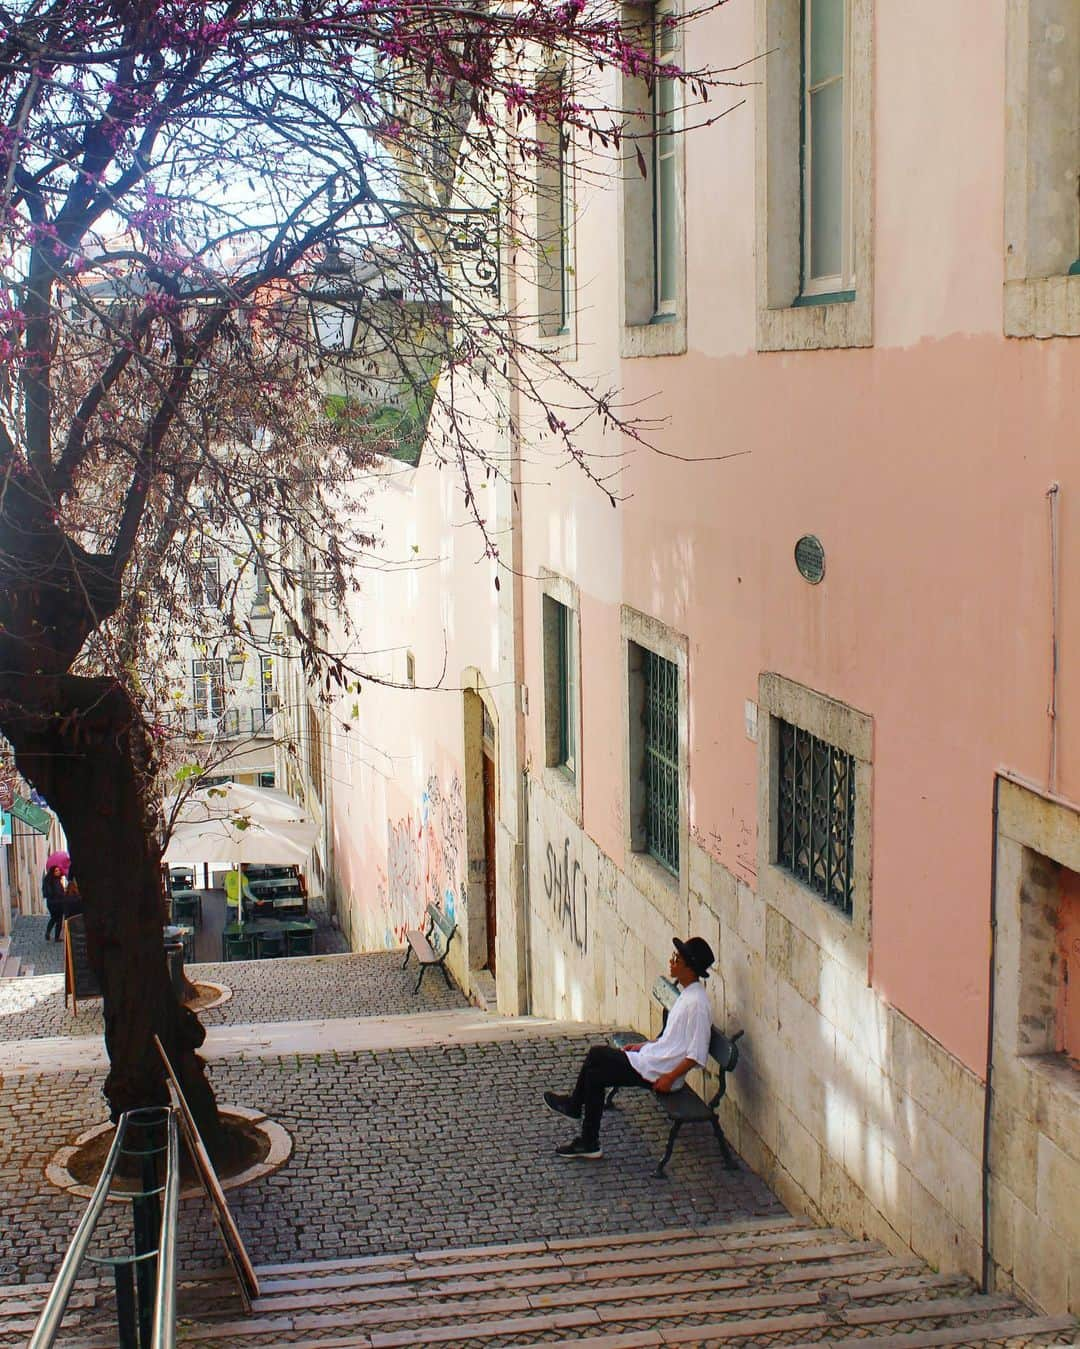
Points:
(424, 860)
(567, 887)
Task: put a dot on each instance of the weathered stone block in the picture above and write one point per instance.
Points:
(939, 1238)
(1059, 1193)
(799, 1153)
(940, 1083)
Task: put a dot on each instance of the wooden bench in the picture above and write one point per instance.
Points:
(432, 945)
(685, 1106)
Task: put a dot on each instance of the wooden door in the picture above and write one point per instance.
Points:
(489, 856)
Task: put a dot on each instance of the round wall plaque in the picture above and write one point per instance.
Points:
(810, 558)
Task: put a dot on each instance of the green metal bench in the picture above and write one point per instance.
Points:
(685, 1106)
(432, 945)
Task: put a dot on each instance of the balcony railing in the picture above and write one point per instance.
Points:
(233, 723)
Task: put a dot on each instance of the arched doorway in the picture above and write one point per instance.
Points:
(481, 827)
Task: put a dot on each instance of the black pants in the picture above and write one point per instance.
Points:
(56, 919)
(604, 1067)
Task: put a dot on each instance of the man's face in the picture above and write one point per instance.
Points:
(676, 965)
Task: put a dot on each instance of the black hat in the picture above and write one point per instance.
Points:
(697, 953)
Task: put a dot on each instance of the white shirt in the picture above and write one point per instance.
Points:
(686, 1036)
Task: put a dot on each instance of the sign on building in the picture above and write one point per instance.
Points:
(34, 816)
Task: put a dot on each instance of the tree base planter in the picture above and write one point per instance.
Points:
(254, 1146)
(208, 995)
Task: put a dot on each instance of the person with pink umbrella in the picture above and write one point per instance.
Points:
(55, 894)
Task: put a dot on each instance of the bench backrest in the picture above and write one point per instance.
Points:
(724, 1050)
(440, 929)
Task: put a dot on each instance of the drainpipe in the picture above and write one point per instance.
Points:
(1052, 493)
(518, 603)
(988, 1090)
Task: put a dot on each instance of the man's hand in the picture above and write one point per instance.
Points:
(632, 1049)
(666, 1081)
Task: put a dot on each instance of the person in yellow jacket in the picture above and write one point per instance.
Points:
(236, 886)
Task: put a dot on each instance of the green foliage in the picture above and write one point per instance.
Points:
(396, 430)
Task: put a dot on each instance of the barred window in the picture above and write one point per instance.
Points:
(661, 758)
(815, 836)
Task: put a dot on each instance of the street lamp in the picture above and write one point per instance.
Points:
(261, 621)
(235, 662)
(333, 303)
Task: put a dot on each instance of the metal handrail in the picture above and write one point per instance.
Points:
(164, 1310)
(165, 1293)
(48, 1325)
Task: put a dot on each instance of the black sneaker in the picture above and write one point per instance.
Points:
(579, 1148)
(561, 1105)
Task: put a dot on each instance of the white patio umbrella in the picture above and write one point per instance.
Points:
(234, 842)
(234, 801)
(234, 823)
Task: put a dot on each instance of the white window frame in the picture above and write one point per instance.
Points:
(790, 317)
(650, 328)
(208, 687)
(555, 197)
(665, 307)
(842, 282)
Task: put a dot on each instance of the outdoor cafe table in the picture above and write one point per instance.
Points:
(256, 926)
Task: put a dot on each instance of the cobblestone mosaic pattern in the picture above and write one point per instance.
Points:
(297, 989)
(395, 1151)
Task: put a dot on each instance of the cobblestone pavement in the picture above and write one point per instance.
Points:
(29, 944)
(394, 1151)
(293, 989)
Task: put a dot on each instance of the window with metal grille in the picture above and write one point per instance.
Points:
(661, 758)
(815, 835)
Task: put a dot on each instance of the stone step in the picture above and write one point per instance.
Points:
(757, 1281)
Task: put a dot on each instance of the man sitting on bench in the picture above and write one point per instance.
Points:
(660, 1065)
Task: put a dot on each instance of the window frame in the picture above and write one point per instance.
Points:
(792, 316)
(266, 685)
(852, 732)
(555, 184)
(667, 890)
(802, 822)
(838, 286)
(665, 307)
(211, 680)
(650, 327)
(210, 582)
(559, 604)
(1034, 305)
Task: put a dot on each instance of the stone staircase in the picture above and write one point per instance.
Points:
(763, 1281)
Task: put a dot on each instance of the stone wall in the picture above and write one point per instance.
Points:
(850, 1111)
(1035, 1123)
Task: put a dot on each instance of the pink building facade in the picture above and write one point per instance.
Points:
(811, 690)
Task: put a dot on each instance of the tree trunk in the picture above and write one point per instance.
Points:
(85, 748)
